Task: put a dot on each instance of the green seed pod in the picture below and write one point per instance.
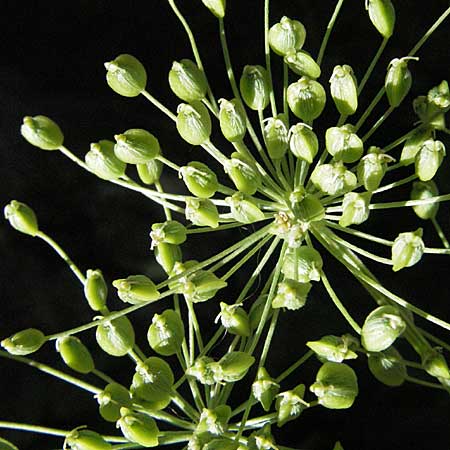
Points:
(187, 81)
(205, 370)
(115, 337)
(179, 268)
(221, 444)
(82, 439)
(75, 354)
(243, 173)
(235, 365)
(170, 232)
(381, 328)
(344, 90)
(136, 146)
(344, 144)
(102, 161)
(153, 382)
(150, 172)
(290, 404)
(333, 179)
(136, 289)
(372, 168)
(138, 428)
(24, 342)
(413, 145)
(407, 250)
(214, 421)
(111, 399)
(439, 97)
(234, 319)
(336, 386)
(429, 158)
(217, 7)
(398, 80)
(193, 122)
(42, 132)
(338, 446)
(382, 16)
(202, 212)
(202, 286)
(167, 255)
(95, 289)
(265, 388)
(291, 294)
(254, 86)
(302, 63)
(435, 365)
(21, 217)
(6, 445)
(430, 114)
(355, 208)
(310, 209)
(388, 367)
(275, 135)
(243, 209)
(303, 142)
(166, 333)
(261, 439)
(126, 75)
(199, 179)
(302, 264)
(332, 348)
(286, 35)
(422, 190)
(306, 99)
(232, 119)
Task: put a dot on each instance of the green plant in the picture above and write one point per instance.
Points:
(297, 215)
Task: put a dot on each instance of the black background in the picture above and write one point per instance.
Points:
(52, 63)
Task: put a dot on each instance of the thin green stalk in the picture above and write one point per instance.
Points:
(58, 249)
(269, 337)
(395, 184)
(378, 123)
(369, 109)
(339, 305)
(53, 372)
(285, 87)
(294, 366)
(184, 406)
(252, 343)
(167, 212)
(195, 323)
(424, 383)
(103, 376)
(372, 65)
(247, 257)
(369, 237)
(330, 26)
(435, 339)
(159, 105)
(400, 140)
(267, 55)
(440, 233)
(195, 51)
(168, 163)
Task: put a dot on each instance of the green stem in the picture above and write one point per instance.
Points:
(53, 372)
(63, 255)
(248, 256)
(339, 304)
(195, 51)
(269, 337)
(168, 163)
(195, 323)
(369, 109)
(251, 345)
(267, 55)
(294, 366)
(159, 105)
(440, 233)
(395, 184)
(103, 376)
(372, 65)
(378, 123)
(167, 212)
(424, 383)
(330, 26)
(360, 234)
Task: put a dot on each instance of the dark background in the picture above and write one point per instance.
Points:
(52, 63)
